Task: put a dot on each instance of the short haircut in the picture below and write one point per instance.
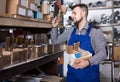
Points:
(82, 6)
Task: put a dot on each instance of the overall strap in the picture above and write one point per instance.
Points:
(71, 40)
(89, 28)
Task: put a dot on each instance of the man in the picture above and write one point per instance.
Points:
(90, 38)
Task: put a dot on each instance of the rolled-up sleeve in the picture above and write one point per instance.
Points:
(55, 38)
(99, 45)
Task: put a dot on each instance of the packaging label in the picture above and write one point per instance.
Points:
(30, 13)
(22, 11)
(23, 3)
(33, 7)
(78, 55)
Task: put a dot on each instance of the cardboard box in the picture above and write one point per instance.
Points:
(37, 2)
(31, 52)
(49, 48)
(14, 7)
(17, 2)
(43, 50)
(3, 7)
(30, 13)
(19, 55)
(31, 5)
(116, 54)
(56, 48)
(6, 58)
(29, 2)
(1, 63)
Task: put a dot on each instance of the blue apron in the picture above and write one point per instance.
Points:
(90, 73)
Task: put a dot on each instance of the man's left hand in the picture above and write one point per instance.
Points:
(80, 63)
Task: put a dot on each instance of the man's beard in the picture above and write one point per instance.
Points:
(77, 22)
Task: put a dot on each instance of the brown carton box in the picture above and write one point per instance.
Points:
(16, 56)
(31, 4)
(17, 2)
(14, 7)
(19, 55)
(1, 62)
(116, 54)
(3, 7)
(43, 50)
(56, 48)
(49, 48)
(6, 58)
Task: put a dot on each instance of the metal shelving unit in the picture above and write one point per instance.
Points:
(106, 9)
(16, 69)
(19, 68)
(12, 21)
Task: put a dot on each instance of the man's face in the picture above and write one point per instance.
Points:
(77, 15)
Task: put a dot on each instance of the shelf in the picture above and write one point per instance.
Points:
(116, 6)
(10, 21)
(104, 25)
(25, 22)
(107, 25)
(104, 7)
(99, 8)
(117, 43)
(10, 71)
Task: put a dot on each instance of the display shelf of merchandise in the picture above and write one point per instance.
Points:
(116, 6)
(10, 21)
(16, 69)
(117, 43)
(108, 11)
(24, 22)
(97, 8)
(107, 25)
(103, 7)
(116, 24)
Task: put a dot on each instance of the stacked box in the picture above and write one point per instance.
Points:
(49, 48)
(43, 50)
(3, 7)
(6, 58)
(116, 54)
(31, 5)
(17, 7)
(30, 13)
(19, 55)
(1, 62)
(37, 51)
(56, 48)
(31, 52)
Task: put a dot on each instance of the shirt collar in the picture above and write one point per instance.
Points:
(83, 30)
(86, 25)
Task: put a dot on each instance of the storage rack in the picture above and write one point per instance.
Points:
(113, 25)
(16, 69)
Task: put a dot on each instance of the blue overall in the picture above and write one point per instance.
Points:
(90, 73)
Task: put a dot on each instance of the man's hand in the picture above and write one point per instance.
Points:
(80, 63)
(55, 21)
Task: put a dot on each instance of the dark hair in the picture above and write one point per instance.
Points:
(83, 6)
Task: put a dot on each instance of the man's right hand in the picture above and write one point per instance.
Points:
(55, 21)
